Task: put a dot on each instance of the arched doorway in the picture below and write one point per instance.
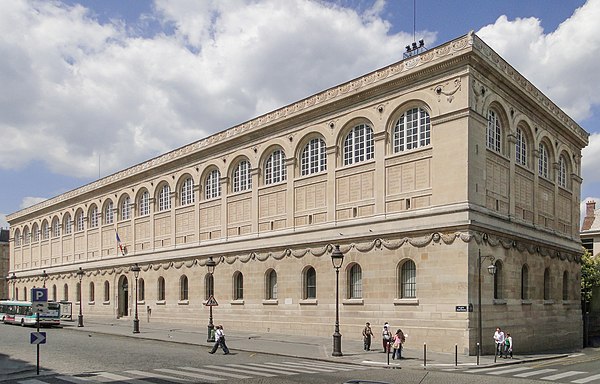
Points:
(123, 309)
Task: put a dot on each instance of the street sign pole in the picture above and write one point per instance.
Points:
(37, 321)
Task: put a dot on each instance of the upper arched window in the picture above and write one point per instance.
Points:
(314, 157)
(92, 293)
(17, 237)
(494, 131)
(355, 282)
(109, 213)
(213, 185)
(65, 292)
(310, 283)
(68, 223)
(94, 217)
(242, 180)
(408, 280)
(183, 288)
(35, 232)
(186, 193)
(562, 171)
(164, 198)
(543, 161)
(161, 293)
(275, 171)
(125, 208)
(141, 290)
(412, 130)
(209, 286)
(26, 235)
(80, 221)
(520, 147)
(106, 291)
(45, 230)
(498, 280)
(359, 145)
(238, 286)
(271, 285)
(55, 227)
(144, 204)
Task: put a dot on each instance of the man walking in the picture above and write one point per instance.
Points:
(367, 334)
(219, 341)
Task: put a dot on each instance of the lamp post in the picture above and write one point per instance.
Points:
(210, 265)
(136, 321)
(337, 258)
(80, 274)
(492, 270)
(44, 277)
(13, 278)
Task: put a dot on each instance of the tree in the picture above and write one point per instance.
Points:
(590, 277)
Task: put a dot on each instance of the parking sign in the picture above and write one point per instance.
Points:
(39, 294)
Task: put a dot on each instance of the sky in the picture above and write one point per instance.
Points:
(88, 88)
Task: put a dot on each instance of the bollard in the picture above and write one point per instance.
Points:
(495, 353)
(456, 355)
(424, 355)
(387, 349)
(478, 347)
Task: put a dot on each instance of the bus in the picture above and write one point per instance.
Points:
(21, 313)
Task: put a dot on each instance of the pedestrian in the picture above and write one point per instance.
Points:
(367, 333)
(386, 337)
(219, 341)
(499, 340)
(398, 342)
(508, 346)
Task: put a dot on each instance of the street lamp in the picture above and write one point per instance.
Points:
(13, 278)
(80, 274)
(492, 270)
(136, 321)
(210, 265)
(45, 277)
(337, 258)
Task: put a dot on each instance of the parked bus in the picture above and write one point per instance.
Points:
(21, 312)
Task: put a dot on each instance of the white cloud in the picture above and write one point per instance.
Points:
(75, 90)
(563, 63)
(589, 161)
(3, 222)
(29, 201)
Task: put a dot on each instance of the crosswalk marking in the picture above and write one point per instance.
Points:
(586, 379)
(339, 367)
(109, 377)
(232, 368)
(310, 367)
(536, 373)
(479, 370)
(262, 368)
(562, 375)
(219, 372)
(152, 375)
(74, 380)
(32, 381)
(294, 369)
(190, 374)
(511, 370)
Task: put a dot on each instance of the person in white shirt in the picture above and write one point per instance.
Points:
(219, 341)
(499, 340)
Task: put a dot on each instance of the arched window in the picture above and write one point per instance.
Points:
(26, 236)
(106, 291)
(126, 208)
(80, 218)
(524, 282)
(68, 223)
(520, 147)
(310, 283)
(109, 213)
(164, 198)
(213, 185)
(314, 157)
(355, 282)
(17, 237)
(187, 191)
(412, 130)
(65, 292)
(141, 290)
(408, 280)
(92, 294)
(562, 171)
(359, 145)
(144, 204)
(35, 233)
(54, 293)
(547, 293)
(209, 286)
(543, 161)
(238, 286)
(77, 291)
(55, 227)
(242, 180)
(494, 131)
(275, 171)
(45, 230)
(161, 294)
(16, 293)
(271, 285)
(498, 280)
(25, 293)
(183, 288)
(565, 286)
(94, 217)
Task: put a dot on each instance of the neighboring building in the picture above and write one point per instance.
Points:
(590, 230)
(4, 263)
(414, 170)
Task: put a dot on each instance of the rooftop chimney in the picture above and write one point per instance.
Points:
(588, 220)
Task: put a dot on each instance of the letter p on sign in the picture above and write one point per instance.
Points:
(39, 294)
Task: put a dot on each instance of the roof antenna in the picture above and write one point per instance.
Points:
(414, 49)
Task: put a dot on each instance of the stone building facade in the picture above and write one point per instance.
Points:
(414, 170)
(4, 263)
(590, 229)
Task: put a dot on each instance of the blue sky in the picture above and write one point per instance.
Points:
(93, 87)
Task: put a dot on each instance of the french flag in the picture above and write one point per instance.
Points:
(119, 243)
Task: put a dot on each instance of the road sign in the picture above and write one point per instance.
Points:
(40, 307)
(39, 294)
(211, 302)
(38, 338)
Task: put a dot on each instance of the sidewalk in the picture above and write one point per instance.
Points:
(306, 347)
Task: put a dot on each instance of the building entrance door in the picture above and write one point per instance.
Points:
(123, 287)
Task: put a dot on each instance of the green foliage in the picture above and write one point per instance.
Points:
(590, 275)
